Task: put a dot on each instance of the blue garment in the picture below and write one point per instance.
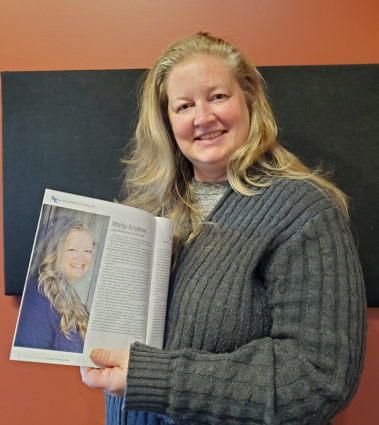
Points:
(39, 324)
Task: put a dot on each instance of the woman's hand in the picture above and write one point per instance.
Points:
(112, 376)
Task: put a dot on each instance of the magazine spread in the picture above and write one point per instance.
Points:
(98, 278)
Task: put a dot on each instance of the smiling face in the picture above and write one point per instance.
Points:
(78, 254)
(208, 114)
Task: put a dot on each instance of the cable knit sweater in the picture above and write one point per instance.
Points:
(266, 319)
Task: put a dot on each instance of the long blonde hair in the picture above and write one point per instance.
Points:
(158, 178)
(53, 281)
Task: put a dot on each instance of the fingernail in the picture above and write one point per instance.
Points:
(94, 354)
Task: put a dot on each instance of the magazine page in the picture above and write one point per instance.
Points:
(160, 276)
(87, 282)
(119, 312)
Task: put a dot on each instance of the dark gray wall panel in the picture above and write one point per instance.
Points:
(66, 131)
(329, 115)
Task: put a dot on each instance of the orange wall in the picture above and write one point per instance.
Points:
(103, 34)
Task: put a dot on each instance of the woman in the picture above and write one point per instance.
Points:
(266, 313)
(52, 315)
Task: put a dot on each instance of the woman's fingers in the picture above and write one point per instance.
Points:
(112, 378)
(104, 358)
(92, 377)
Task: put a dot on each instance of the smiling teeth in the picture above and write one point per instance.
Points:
(77, 265)
(210, 136)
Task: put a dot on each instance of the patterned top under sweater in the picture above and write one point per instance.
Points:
(208, 194)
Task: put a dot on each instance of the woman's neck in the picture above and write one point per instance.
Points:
(214, 176)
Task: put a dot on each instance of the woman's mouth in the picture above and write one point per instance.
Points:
(78, 266)
(210, 135)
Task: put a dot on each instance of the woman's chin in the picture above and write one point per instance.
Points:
(212, 167)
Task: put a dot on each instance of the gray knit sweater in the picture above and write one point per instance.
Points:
(266, 320)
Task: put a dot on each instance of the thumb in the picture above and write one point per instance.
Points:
(108, 358)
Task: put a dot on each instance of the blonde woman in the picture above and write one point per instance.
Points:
(52, 315)
(266, 314)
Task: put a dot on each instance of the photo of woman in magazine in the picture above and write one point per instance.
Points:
(53, 317)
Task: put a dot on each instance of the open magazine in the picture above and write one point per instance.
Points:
(98, 278)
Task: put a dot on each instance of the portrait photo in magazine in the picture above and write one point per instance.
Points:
(61, 280)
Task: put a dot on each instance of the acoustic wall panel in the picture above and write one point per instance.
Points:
(64, 131)
(67, 131)
(329, 115)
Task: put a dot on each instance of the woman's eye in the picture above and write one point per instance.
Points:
(219, 96)
(183, 108)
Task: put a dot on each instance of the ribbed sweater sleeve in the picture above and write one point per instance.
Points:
(308, 367)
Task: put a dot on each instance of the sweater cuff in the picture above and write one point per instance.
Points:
(148, 381)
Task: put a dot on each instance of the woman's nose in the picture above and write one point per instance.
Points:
(79, 255)
(203, 115)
